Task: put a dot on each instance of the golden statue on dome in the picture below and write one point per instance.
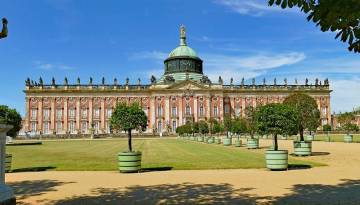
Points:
(4, 31)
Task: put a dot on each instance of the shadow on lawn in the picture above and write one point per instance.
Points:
(25, 189)
(188, 193)
(33, 169)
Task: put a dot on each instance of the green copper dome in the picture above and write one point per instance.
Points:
(183, 50)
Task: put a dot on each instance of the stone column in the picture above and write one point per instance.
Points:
(27, 119)
(328, 111)
(102, 114)
(195, 108)
(208, 108)
(78, 113)
(40, 116)
(65, 114)
(152, 112)
(166, 110)
(52, 115)
(6, 194)
(180, 109)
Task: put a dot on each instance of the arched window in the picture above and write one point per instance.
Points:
(159, 111)
(201, 109)
(215, 110)
(188, 110)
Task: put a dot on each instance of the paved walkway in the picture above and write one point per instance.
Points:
(338, 183)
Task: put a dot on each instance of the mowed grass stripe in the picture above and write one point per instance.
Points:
(157, 153)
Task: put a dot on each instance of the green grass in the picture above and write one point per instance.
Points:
(102, 155)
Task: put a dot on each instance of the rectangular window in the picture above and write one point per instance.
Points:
(33, 114)
(58, 126)
(84, 113)
(109, 112)
(237, 111)
(107, 125)
(46, 114)
(72, 113)
(46, 128)
(145, 111)
(226, 109)
(159, 111)
(59, 114)
(84, 126)
(97, 126)
(201, 110)
(173, 111)
(33, 126)
(215, 111)
(174, 126)
(96, 113)
(159, 126)
(72, 126)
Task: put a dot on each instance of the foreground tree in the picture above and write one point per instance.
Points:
(276, 119)
(11, 117)
(127, 118)
(308, 115)
(338, 16)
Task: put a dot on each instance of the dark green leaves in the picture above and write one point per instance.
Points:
(128, 117)
(11, 117)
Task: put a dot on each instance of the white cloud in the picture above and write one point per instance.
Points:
(250, 7)
(50, 66)
(247, 67)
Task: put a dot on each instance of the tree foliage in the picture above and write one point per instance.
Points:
(251, 121)
(341, 16)
(128, 117)
(276, 119)
(184, 129)
(308, 115)
(227, 124)
(239, 126)
(10, 117)
(203, 127)
(327, 128)
(345, 119)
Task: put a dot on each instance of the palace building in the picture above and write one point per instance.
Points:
(183, 93)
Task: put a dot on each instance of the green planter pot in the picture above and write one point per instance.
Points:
(302, 148)
(129, 162)
(252, 143)
(8, 160)
(310, 138)
(348, 138)
(218, 140)
(227, 141)
(237, 143)
(210, 140)
(276, 160)
(200, 139)
(206, 139)
(192, 138)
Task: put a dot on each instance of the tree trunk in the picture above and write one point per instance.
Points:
(275, 142)
(129, 140)
(302, 134)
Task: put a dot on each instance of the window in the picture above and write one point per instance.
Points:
(46, 128)
(84, 113)
(58, 126)
(84, 126)
(174, 126)
(237, 111)
(97, 126)
(324, 111)
(159, 126)
(109, 112)
(46, 114)
(72, 113)
(107, 125)
(173, 111)
(33, 126)
(215, 111)
(72, 126)
(96, 113)
(33, 114)
(227, 108)
(59, 113)
(145, 110)
(188, 110)
(201, 110)
(159, 111)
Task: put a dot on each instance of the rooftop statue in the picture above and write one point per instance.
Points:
(242, 81)
(285, 81)
(253, 81)
(4, 31)
(53, 81)
(264, 81)
(220, 80)
(274, 81)
(115, 81)
(153, 79)
(231, 81)
(78, 81)
(103, 81)
(66, 81)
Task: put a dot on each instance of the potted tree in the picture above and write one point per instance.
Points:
(345, 120)
(215, 128)
(276, 119)
(239, 127)
(204, 129)
(252, 142)
(11, 117)
(308, 117)
(127, 118)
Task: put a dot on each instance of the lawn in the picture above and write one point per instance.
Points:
(157, 153)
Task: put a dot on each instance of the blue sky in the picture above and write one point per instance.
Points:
(235, 38)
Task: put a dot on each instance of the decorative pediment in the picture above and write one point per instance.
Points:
(187, 85)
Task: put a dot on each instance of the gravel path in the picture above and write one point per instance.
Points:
(338, 183)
